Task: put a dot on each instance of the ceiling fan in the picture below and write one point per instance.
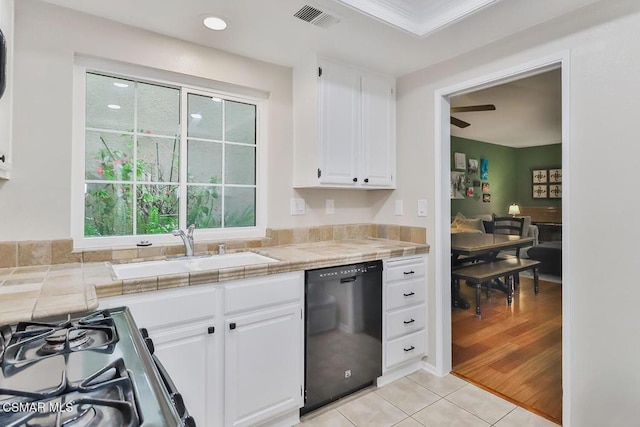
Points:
(468, 109)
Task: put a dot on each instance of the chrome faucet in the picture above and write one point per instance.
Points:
(187, 239)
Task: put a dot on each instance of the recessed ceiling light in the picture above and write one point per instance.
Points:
(196, 116)
(114, 106)
(214, 23)
(117, 84)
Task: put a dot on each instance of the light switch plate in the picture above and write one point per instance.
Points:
(422, 207)
(399, 207)
(329, 207)
(297, 206)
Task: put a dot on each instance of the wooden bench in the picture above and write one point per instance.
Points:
(486, 272)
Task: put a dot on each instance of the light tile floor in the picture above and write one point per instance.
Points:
(423, 399)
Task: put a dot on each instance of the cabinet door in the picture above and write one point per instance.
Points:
(378, 131)
(178, 321)
(263, 365)
(339, 124)
(189, 356)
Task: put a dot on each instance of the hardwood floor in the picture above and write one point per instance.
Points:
(515, 351)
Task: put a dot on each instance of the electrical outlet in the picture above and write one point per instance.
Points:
(399, 208)
(329, 207)
(297, 206)
(422, 207)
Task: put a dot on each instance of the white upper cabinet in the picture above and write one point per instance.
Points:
(6, 25)
(344, 121)
(339, 124)
(378, 131)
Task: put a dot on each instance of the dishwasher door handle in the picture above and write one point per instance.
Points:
(349, 279)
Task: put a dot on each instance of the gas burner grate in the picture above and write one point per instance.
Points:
(106, 397)
(33, 341)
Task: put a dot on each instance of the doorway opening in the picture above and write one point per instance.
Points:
(508, 350)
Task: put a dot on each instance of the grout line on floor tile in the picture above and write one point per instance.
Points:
(477, 416)
(433, 391)
(501, 418)
(410, 415)
(338, 403)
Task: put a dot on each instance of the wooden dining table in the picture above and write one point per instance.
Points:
(483, 247)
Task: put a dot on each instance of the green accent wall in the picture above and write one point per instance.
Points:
(509, 175)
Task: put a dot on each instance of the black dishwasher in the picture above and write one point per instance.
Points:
(343, 331)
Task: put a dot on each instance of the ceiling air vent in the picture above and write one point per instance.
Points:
(316, 17)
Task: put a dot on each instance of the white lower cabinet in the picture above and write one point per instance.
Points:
(263, 358)
(405, 312)
(178, 322)
(189, 355)
(234, 349)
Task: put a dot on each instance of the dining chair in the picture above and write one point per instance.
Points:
(509, 225)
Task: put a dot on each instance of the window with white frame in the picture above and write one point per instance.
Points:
(159, 157)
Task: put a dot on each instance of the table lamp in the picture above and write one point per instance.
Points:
(514, 209)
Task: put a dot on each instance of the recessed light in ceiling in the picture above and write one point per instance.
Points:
(118, 84)
(114, 106)
(214, 23)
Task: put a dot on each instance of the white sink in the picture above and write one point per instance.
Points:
(137, 270)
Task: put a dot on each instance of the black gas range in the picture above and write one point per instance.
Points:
(86, 370)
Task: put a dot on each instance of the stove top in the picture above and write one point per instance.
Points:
(91, 370)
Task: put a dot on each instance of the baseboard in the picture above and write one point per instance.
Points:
(396, 373)
(432, 369)
(289, 419)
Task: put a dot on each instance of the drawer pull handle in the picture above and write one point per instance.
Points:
(232, 325)
(410, 348)
(406, 322)
(406, 273)
(410, 294)
(211, 329)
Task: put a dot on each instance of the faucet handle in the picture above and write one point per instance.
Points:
(191, 228)
(177, 232)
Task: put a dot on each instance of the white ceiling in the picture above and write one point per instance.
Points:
(267, 30)
(528, 112)
(384, 35)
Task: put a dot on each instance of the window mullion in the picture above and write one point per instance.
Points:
(182, 207)
(224, 164)
(134, 171)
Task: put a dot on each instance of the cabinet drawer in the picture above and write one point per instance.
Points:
(156, 310)
(405, 348)
(405, 269)
(405, 293)
(405, 321)
(249, 294)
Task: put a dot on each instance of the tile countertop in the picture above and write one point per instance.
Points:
(28, 293)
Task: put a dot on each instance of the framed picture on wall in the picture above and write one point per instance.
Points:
(555, 191)
(460, 161)
(486, 198)
(485, 187)
(555, 175)
(540, 191)
(484, 169)
(457, 188)
(539, 176)
(473, 166)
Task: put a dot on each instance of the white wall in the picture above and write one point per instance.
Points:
(35, 203)
(602, 246)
